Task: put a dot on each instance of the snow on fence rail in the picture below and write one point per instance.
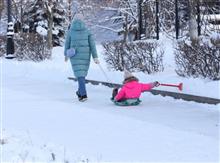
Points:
(185, 97)
(212, 17)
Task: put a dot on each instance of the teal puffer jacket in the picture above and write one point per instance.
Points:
(80, 38)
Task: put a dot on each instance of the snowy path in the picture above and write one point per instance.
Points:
(41, 112)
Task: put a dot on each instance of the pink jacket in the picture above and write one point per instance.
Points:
(132, 89)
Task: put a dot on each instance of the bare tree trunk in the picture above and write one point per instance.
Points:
(193, 32)
(2, 5)
(139, 4)
(21, 16)
(49, 11)
(126, 28)
(49, 31)
(70, 13)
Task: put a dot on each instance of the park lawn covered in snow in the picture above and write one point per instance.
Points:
(43, 121)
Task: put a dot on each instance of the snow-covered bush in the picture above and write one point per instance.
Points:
(145, 56)
(198, 59)
(2, 45)
(30, 46)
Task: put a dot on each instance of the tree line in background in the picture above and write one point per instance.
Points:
(196, 24)
(191, 21)
(133, 19)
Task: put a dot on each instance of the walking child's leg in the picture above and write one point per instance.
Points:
(82, 86)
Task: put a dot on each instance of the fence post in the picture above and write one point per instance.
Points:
(140, 23)
(198, 18)
(157, 19)
(177, 19)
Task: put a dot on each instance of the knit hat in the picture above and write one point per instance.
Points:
(128, 77)
(79, 15)
(127, 74)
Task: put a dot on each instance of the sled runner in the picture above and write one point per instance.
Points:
(128, 102)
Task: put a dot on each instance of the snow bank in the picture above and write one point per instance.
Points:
(43, 121)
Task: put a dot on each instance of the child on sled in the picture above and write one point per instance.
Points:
(131, 90)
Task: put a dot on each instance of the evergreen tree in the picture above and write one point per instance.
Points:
(46, 18)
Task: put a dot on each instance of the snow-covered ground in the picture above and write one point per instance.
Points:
(42, 120)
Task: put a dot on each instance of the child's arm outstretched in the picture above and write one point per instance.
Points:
(149, 86)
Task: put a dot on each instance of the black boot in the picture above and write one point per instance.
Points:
(83, 98)
(114, 93)
(78, 95)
